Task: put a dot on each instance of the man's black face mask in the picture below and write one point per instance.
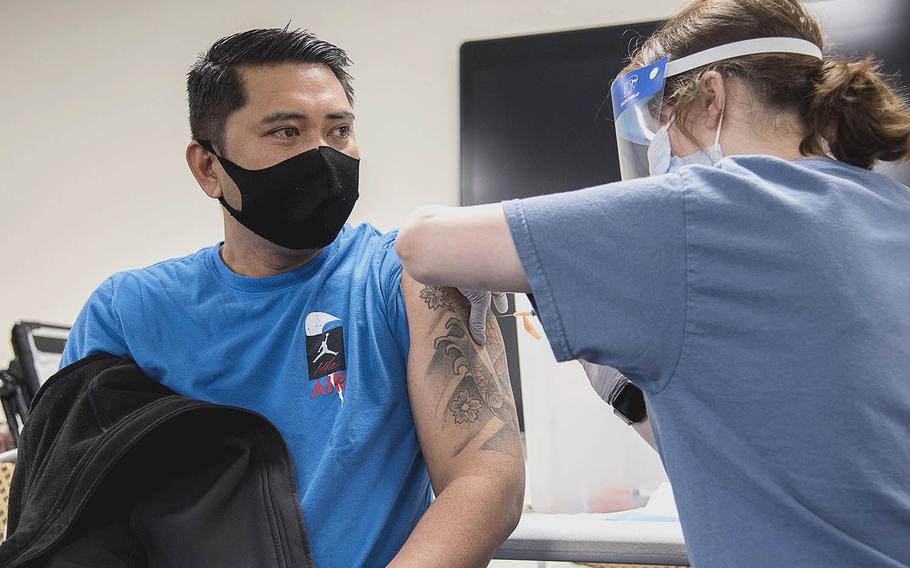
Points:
(300, 203)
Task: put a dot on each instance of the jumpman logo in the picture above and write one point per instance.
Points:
(324, 348)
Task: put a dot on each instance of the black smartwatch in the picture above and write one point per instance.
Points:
(628, 402)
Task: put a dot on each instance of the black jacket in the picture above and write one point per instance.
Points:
(115, 470)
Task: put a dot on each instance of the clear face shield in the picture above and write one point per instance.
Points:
(638, 95)
(637, 100)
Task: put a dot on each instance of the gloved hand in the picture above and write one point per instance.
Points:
(480, 303)
(604, 379)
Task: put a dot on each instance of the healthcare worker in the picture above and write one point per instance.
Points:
(753, 281)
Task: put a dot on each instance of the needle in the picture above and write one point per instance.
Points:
(518, 314)
(526, 320)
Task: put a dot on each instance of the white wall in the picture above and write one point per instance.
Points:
(93, 122)
(578, 454)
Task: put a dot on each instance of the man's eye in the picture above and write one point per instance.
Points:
(287, 132)
(343, 131)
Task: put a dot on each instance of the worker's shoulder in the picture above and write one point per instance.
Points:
(807, 176)
(793, 188)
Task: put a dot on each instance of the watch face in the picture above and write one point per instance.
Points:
(630, 403)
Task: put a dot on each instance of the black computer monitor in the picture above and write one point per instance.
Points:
(535, 113)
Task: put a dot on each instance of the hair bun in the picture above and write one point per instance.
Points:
(857, 114)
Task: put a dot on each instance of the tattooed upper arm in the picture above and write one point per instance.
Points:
(460, 392)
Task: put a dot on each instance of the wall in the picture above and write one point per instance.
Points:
(93, 122)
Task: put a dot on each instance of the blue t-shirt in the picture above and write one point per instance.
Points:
(764, 308)
(321, 351)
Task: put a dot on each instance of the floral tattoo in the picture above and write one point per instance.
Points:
(482, 392)
(436, 298)
(465, 407)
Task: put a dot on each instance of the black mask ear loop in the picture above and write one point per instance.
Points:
(208, 146)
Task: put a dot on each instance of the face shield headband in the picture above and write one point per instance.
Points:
(638, 95)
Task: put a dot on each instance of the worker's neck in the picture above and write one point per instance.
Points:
(766, 148)
(781, 142)
(248, 254)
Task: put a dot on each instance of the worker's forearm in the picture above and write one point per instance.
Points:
(468, 521)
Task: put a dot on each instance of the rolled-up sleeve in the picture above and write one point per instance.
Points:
(608, 269)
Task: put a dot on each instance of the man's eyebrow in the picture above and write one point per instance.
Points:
(340, 115)
(283, 115)
(280, 116)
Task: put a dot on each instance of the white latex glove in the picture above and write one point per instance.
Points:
(604, 379)
(480, 303)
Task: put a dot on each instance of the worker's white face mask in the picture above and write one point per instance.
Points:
(661, 159)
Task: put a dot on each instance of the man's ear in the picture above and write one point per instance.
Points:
(202, 164)
(712, 98)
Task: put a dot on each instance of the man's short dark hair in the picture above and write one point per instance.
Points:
(214, 86)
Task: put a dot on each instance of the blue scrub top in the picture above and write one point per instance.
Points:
(764, 308)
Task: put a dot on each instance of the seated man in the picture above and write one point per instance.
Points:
(372, 379)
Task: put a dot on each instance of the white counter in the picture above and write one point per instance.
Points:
(593, 538)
